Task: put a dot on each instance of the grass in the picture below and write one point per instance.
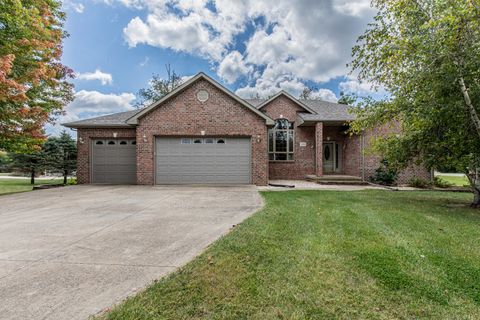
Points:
(331, 255)
(11, 185)
(455, 180)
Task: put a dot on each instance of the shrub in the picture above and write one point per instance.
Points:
(440, 183)
(72, 181)
(419, 183)
(384, 174)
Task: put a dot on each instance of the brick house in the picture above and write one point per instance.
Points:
(203, 133)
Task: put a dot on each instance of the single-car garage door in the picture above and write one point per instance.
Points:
(114, 161)
(185, 160)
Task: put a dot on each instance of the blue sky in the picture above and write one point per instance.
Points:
(253, 47)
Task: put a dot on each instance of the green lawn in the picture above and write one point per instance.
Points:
(327, 254)
(21, 185)
(456, 181)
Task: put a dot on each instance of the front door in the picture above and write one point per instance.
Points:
(328, 157)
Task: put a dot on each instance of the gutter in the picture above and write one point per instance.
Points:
(90, 126)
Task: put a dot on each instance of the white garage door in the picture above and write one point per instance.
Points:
(211, 160)
(114, 161)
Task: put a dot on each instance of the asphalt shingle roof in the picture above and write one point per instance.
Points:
(325, 111)
(110, 120)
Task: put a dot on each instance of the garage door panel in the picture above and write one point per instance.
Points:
(178, 163)
(114, 161)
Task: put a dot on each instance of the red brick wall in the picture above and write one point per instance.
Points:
(304, 157)
(352, 156)
(222, 116)
(84, 143)
(184, 115)
(372, 160)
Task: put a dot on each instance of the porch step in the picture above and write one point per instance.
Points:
(336, 179)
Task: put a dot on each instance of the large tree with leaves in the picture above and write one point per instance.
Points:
(426, 53)
(33, 86)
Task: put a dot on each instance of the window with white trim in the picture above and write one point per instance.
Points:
(281, 141)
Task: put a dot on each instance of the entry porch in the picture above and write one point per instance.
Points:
(337, 153)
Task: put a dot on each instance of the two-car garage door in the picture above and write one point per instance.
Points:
(206, 160)
(179, 160)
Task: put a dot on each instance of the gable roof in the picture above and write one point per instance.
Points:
(315, 110)
(328, 111)
(115, 120)
(289, 96)
(134, 118)
(322, 110)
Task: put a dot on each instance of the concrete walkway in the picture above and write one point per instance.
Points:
(71, 252)
(308, 185)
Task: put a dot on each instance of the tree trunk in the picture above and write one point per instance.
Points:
(476, 198)
(32, 176)
(470, 107)
(65, 175)
(474, 179)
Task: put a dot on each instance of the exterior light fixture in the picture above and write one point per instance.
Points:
(202, 132)
(114, 134)
(259, 139)
(81, 140)
(328, 138)
(144, 138)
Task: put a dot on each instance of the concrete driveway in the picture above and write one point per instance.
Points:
(71, 252)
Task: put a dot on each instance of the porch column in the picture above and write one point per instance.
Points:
(319, 149)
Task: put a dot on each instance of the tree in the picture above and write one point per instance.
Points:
(427, 55)
(306, 93)
(347, 98)
(31, 163)
(5, 161)
(33, 86)
(159, 87)
(60, 155)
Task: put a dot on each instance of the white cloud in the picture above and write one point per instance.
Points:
(75, 6)
(138, 4)
(196, 30)
(291, 42)
(78, 7)
(144, 62)
(264, 88)
(360, 88)
(87, 104)
(232, 67)
(324, 94)
(186, 78)
(352, 7)
(104, 78)
(94, 102)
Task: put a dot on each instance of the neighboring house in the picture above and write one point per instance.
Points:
(203, 133)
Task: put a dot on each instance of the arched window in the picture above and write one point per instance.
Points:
(281, 141)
